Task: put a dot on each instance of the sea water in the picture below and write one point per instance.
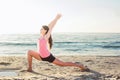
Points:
(104, 44)
(8, 73)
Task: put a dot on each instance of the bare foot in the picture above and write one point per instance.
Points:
(85, 69)
(29, 70)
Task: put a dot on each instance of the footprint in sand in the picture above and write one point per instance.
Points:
(4, 63)
(89, 61)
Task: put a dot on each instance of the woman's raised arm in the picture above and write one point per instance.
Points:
(52, 24)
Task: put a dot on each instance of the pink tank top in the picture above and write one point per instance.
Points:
(43, 51)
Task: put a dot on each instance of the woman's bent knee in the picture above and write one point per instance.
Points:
(29, 52)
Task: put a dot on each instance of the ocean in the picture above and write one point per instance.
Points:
(103, 44)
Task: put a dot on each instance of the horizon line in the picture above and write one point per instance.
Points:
(59, 32)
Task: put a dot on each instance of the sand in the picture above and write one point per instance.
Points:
(102, 68)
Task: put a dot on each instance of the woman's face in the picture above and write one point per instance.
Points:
(43, 31)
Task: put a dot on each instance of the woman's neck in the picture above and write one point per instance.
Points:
(42, 35)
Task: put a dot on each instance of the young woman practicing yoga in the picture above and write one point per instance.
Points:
(44, 46)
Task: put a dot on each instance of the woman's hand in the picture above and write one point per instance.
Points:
(58, 16)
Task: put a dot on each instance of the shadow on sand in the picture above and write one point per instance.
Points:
(41, 74)
(94, 76)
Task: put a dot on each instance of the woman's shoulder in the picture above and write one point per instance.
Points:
(43, 38)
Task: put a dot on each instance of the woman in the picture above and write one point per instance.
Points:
(44, 46)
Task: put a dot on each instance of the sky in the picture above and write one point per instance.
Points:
(27, 16)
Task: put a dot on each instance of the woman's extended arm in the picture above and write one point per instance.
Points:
(52, 24)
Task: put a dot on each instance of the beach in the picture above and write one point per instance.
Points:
(102, 68)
